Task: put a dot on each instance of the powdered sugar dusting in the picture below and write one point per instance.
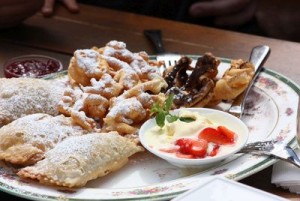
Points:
(142, 67)
(116, 44)
(84, 145)
(120, 87)
(145, 97)
(43, 129)
(125, 108)
(79, 159)
(88, 60)
(117, 64)
(22, 96)
(104, 86)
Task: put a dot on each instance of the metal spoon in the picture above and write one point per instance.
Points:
(258, 56)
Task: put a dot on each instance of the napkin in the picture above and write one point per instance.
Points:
(221, 188)
(287, 175)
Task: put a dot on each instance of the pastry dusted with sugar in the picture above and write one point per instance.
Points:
(85, 65)
(23, 96)
(25, 140)
(128, 111)
(113, 88)
(79, 159)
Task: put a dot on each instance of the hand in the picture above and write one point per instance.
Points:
(14, 12)
(226, 13)
(48, 7)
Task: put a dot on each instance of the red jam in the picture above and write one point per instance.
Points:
(31, 67)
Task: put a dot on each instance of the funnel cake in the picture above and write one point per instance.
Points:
(78, 159)
(86, 64)
(77, 104)
(128, 111)
(25, 140)
(112, 89)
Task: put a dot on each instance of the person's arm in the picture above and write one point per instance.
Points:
(48, 7)
(225, 12)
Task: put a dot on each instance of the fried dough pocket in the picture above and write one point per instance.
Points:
(23, 96)
(78, 159)
(25, 140)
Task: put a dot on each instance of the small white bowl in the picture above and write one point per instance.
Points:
(217, 116)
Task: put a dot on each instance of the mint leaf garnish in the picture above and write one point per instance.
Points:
(163, 112)
(186, 119)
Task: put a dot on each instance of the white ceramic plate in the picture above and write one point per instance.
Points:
(271, 114)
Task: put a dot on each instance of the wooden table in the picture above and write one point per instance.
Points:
(62, 34)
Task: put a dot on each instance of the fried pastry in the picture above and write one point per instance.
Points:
(23, 96)
(196, 89)
(106, 87)
(234, 81)
(86, 64)
(76, 160)
(112, 88)
(25, 140)
(128, 111)
(78, 105)
(118, 57)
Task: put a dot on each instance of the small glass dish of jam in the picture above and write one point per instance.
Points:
(33, 66)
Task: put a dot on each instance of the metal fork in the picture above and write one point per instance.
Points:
(274, 149)
(168, 59)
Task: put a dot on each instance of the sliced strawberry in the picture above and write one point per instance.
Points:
(182, 141)
(215, 150)
(170, 150)
(215, 136)
(228, 133)
(199, 148)
(184, 145)
(187, 156)
(196, 148)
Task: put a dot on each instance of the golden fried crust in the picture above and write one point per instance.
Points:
(25, 140)
(235, 80)
(76, 74)
(79, 159)
(86, 64)
(106, 87)
(129, 110)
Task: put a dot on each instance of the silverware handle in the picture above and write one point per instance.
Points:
(155, 36)
(288, 155)
(292, 155)
(258, 56)
(288, 159)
